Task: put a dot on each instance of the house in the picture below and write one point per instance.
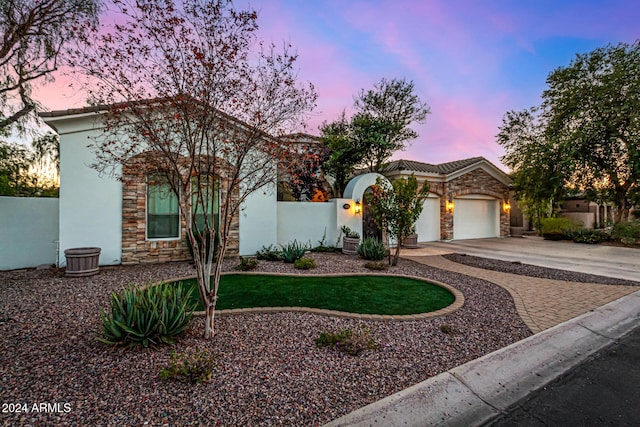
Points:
(125, 217)
(467, 198)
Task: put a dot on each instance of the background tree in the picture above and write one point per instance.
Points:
(539, 177)
(33, 35)
(344, 152)
(397, 207)
(190, 84)
(383, 119)
(15, 161)
(589, 134)
(379, 128)
(28, 172)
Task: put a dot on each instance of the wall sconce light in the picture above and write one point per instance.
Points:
(450, 206)
(346, 206)
(506, 206)
(358, 207)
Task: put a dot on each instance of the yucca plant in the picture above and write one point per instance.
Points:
(372, 249)
(151, 315)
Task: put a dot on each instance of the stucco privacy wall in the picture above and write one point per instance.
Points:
(308, 222)
(90, 204)
(259, 220)
(28, 231)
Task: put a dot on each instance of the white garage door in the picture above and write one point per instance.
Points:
(428, 224)
(476, 218)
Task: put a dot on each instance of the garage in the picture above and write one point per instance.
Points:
(476, 217)
(428, 224)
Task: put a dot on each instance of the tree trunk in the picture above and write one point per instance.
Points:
(396, 256)
(209, 319)
(622, 208)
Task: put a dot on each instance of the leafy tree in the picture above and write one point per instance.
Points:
(189, 84)
(344, 152)
(383, 119)
(539, 177)
(397, 207)
(34, 33)
(589, 129)
(15, 160)
(380, 127)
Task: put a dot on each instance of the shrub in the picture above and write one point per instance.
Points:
(269, 253)
(304, 264)
(150, 315)
(350, 233)
(325, 249)
(627, 232)
(448, 329)
(588, 236)
(557, 228)
(372, 249)
(348, 341)
(293, 251)
(247, 264)
(195, 368)
(376, 265)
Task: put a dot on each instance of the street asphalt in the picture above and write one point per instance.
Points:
(602, 391)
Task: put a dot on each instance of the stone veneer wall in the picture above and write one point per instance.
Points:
(136, 248)
(474, 182)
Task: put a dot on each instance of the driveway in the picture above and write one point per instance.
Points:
(610, 261)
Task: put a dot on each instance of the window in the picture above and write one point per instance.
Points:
(163, 214)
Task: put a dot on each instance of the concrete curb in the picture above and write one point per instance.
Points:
(477, 391)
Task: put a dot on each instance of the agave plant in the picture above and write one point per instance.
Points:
(372, 249)
(151, 315)
(291, 252)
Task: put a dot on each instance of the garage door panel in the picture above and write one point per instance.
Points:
(428, 224)
(475, 219)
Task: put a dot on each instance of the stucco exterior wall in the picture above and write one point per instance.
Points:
(28, 231)
(90, 204)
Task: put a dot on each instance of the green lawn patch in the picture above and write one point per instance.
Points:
(355, 294)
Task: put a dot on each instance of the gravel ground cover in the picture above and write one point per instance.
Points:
(269, 371)
(535, 271)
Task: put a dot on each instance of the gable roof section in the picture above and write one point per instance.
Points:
(446, 171)
(441, 169)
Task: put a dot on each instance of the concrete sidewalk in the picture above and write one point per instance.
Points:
(482, 389)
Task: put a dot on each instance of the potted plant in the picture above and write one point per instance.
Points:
(350, 241)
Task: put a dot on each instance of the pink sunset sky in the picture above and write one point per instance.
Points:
(471, 61)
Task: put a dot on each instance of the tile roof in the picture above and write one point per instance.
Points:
(442, 168)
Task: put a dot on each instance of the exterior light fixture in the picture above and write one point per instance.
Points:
(358, 207)
(450, 206)
(346, 206)
(506, 206)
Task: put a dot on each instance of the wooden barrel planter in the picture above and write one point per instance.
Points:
(410, 241)
(350, 245)
(82, 262)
